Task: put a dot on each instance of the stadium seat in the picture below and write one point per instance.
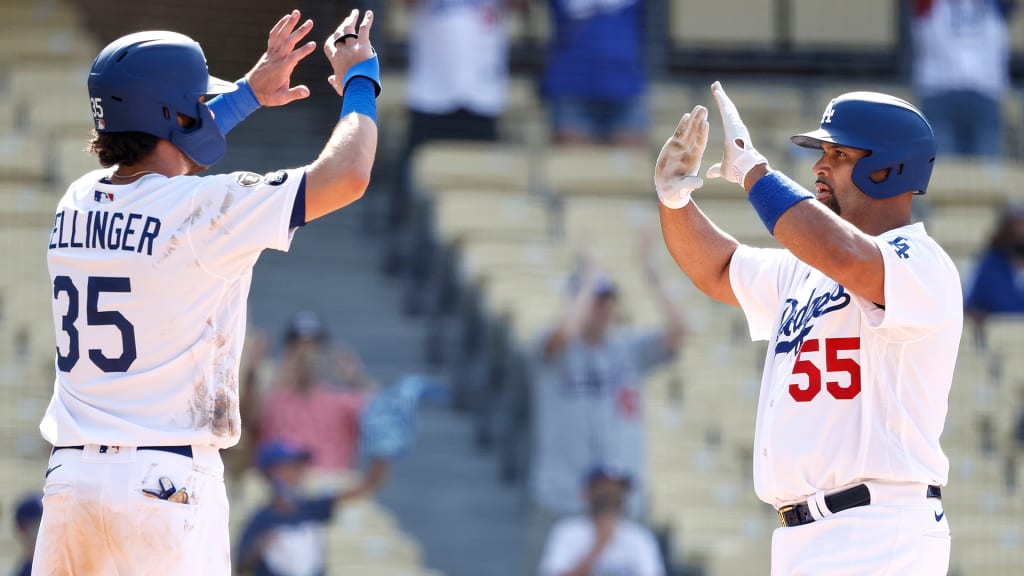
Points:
(22, 157)
(54, 96)
(599, 171)
(55, 13)
(463, 214)
(447, 166)
(972, 181)
(704, 24)
(850, 26)
(483, 256)
(962, 229)
(45, 43)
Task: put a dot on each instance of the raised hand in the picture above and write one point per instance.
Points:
(271, 77)
(739, 155)
(675, 175)
(347, 47)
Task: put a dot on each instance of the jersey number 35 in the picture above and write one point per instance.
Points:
(95, 317)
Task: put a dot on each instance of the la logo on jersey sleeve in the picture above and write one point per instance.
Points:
(902, 247)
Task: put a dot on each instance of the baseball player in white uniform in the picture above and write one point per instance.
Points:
(862, 312)
(151, 267)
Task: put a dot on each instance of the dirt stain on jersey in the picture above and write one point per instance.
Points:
(198, 408)
(224, 418)
(215, 222)
(229, 199)
(172, 246)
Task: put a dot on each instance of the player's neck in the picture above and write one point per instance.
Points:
(881, 216)
(165, 159)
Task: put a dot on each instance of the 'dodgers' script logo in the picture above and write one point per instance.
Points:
(798, 318)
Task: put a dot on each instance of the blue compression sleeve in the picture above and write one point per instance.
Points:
(773, 194)
(231, 108)
(360, 98)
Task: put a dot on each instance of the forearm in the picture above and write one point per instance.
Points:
(826, 242)
(675, 325)
(701, 249)
(833, 246)
(342, 172)
(231, 108)
(571, 323)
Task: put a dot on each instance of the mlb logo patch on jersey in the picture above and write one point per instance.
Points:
(248, 178)
(276, 178)
(103, 197)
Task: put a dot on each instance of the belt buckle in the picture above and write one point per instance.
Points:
(782, 514)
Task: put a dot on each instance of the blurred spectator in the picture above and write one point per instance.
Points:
(997, 286)
(286, 537)
(587, 395)
(602, 541)
(304, 408)
(458, 76)
(595, 82)
(961, 71)
(27, 515)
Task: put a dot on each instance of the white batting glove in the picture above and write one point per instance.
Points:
(739, 156)
(675, 175)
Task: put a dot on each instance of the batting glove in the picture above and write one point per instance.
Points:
(739, 155)
(675, 175)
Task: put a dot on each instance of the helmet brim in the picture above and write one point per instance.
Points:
(217, 86)
(813, 139)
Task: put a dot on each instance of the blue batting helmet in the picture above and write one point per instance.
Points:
(895, 133)
(142, 81)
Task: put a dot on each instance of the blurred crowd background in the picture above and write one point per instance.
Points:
(503, 291)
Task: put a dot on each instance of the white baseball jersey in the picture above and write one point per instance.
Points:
(851, 390)
(632, 550)
(150, 283)
(470, 68)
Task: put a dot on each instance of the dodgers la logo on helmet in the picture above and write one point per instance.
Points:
(826, 118)
(898, 137)
(141, 82)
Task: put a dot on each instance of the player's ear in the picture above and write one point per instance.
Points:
(879, 176)
(186, 122)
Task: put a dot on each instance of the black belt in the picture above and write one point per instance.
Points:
(859, 495)
(185, 451)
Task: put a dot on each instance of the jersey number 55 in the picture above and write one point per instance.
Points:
(833, 364)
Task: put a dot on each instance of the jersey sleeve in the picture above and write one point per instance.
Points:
(756, 276)
(236, 216)
(922, 287)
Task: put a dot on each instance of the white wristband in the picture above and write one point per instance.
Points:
(675, 199)
(744, 163)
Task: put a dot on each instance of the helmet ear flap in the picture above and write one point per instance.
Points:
(900, 176)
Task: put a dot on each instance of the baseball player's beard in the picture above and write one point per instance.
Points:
(832, 203)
